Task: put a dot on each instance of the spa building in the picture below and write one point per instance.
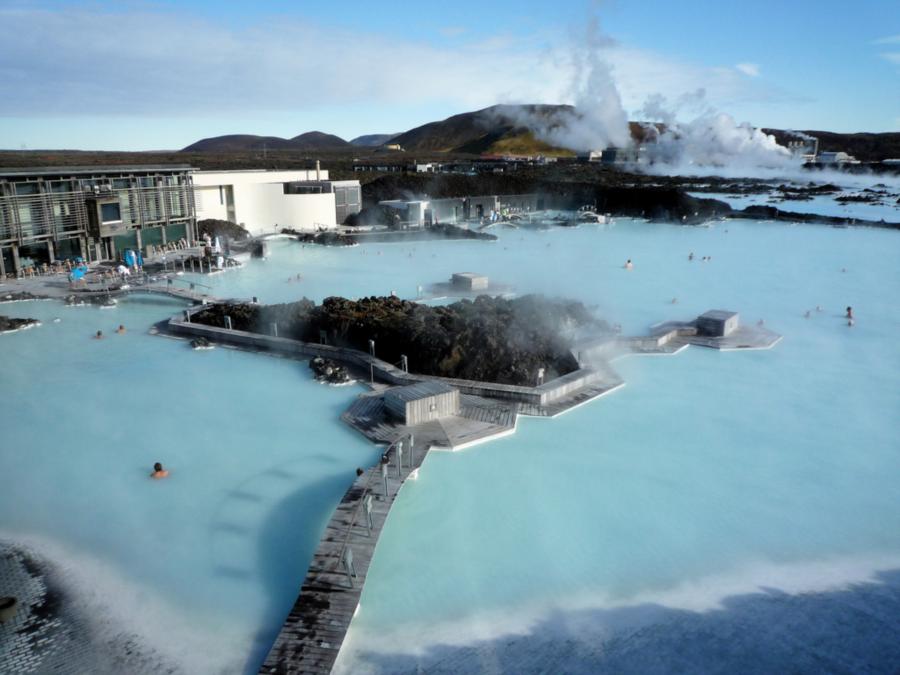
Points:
(97, 212)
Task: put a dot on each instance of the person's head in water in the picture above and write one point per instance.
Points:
(120, 329)
(99, 335)
(157, 467)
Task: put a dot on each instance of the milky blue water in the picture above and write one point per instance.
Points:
(709, 475)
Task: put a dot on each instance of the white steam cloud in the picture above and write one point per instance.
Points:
(599, 120)
(710, 138)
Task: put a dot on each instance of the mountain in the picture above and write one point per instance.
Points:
(316, 140)
(477, 132)
(237, 142)
(311, 140)
(504, 130)
(498, 130)
(372, 140)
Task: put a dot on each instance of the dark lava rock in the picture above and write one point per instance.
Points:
(222, 229)
(10, 325)
(759, 212)
(455, 232)
(18, 296)
(324, 238)
(201, 343)
(331, 372)
(487, 339)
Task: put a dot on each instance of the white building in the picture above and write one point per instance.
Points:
(835, 158)
(266, 201)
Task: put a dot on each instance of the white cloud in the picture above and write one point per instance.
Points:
(891, 39)
(74, 62)
(893, 57)
(749, 69)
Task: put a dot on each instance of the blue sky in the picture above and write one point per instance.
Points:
(160, 75)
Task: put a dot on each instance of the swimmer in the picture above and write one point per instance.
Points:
(674, 301)
(691, 255)
(849, 314)
(850, 322)
(807, 315)
(818, 308)
(121, 329)
(159, 471)
(760, 323)
(628, 264)
(99, 335)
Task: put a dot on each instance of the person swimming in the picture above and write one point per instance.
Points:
(807, 315)
(159, 471)
(628, 264)
(121, 329)
(691, 255)
(99, 335)
(849, 312)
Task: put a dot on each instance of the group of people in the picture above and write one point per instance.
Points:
(705, 258)
(119, 331)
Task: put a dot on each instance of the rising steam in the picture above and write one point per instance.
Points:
(599, 120)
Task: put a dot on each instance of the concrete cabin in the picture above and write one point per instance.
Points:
(469, 281)
(717, 323)
(422, 402)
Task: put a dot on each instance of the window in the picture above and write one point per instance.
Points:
(27, 188)
(110, 213)
(221, 194)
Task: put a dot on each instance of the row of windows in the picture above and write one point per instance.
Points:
(25, 188)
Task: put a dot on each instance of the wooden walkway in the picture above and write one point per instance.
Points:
(313, 632)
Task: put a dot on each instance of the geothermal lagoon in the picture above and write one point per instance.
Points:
(721, 509)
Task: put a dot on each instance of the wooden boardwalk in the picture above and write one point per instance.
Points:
(313, 632)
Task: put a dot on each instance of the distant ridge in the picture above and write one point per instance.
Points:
(311, 140)
(501, 130)
(372, 140)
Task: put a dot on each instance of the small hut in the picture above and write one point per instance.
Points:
(717, 323)
(422, 402)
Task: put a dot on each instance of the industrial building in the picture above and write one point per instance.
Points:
(90, 212)
(422, 212)
(97, 212)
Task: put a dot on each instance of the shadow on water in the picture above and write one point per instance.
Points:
(287, 540)
(853, 630)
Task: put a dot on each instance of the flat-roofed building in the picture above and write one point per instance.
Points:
(264, 202)
(469, 281)
(422, 402)
(93, 212)
(717, 323)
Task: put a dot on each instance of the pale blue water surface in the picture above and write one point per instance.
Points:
(708, 476)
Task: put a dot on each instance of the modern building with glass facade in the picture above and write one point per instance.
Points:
(96, 213)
